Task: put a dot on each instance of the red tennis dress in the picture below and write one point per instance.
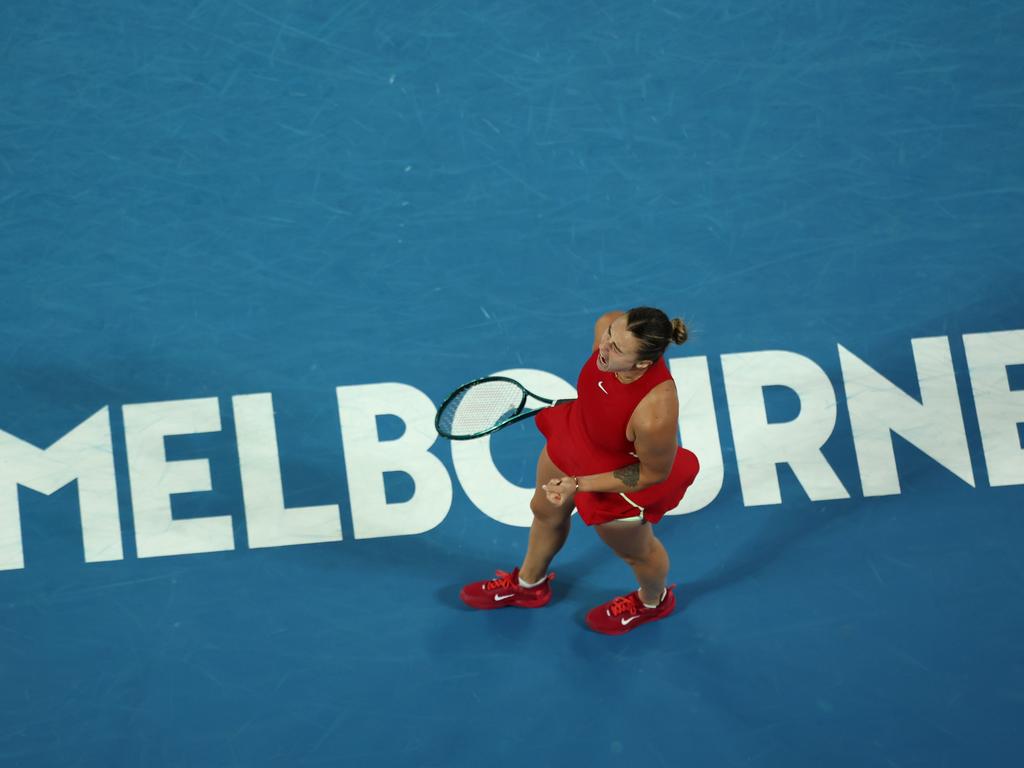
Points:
(587, 436)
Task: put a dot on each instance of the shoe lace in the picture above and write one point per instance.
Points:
(628, 604)
(504, 581)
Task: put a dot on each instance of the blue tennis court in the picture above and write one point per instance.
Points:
(247, 248)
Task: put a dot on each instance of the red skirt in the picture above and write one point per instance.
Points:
(574, 456)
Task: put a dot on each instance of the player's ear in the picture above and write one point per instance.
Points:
(644, 363)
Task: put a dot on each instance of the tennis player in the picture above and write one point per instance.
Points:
(612, 454)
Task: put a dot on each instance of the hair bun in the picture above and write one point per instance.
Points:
(679, 332)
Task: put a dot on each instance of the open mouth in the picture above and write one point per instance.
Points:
(602, 359)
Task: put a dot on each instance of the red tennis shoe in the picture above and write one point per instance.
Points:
(622, 614)
(504, 591)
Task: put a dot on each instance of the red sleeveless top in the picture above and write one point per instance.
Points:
(587, 436)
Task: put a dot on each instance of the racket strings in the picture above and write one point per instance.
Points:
(480, 407)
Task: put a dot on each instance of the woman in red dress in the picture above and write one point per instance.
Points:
(612, 454)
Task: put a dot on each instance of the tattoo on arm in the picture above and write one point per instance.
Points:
(630, 476)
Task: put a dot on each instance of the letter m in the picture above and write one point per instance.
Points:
(84, 454)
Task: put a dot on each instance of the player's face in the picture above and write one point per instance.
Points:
(617, 351)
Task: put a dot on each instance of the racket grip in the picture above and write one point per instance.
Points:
(562, 402)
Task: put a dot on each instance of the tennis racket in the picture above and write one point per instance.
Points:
(486, 405)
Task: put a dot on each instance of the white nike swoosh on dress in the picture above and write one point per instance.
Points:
(601, 385)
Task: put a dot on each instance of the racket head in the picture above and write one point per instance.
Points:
(482, 406)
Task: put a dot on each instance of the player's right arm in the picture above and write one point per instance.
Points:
(601, 326)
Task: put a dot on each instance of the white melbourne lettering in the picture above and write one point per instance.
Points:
(762, 445)
(879, 410)
(85, 454)
(933, 423)
(368, 458)
(1000, 408)
(155, 479)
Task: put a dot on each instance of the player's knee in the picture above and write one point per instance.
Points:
(547, 513)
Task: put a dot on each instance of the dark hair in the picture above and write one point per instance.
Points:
(654, 331)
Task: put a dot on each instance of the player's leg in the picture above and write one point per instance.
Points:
(635, 542)
(550, 527)
(548, 533)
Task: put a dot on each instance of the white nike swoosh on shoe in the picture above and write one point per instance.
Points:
(628, 620)
(601, 385)
(498, 598)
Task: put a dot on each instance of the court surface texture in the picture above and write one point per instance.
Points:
(246, 248)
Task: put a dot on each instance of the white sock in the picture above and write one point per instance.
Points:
(528, 585)
(663, 593)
